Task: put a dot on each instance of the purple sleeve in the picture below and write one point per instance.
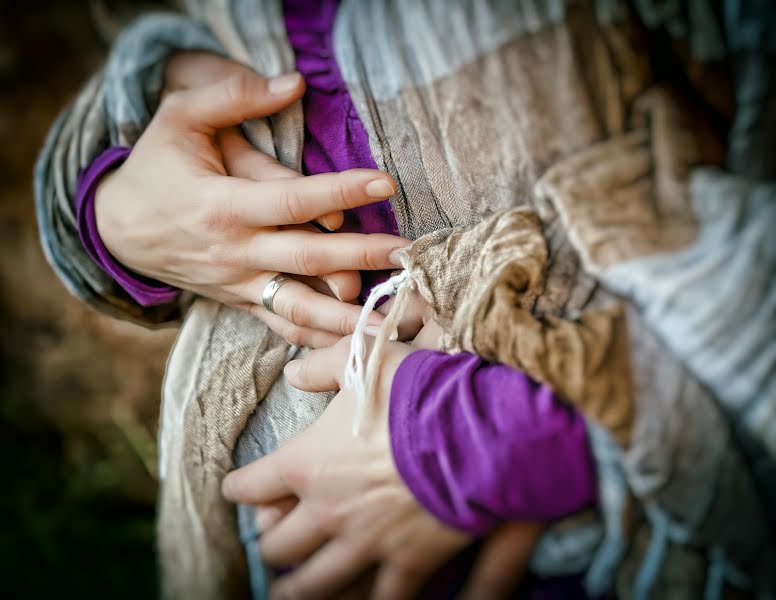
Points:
(145, 291)
(479, 443)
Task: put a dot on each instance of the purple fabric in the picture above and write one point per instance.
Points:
(335, 138)
(145, 291)
(479, 444)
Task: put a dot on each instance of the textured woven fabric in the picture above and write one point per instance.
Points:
(553, 122)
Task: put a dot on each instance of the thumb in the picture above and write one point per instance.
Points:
(233, 100)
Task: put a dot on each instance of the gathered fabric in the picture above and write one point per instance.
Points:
(575, 216)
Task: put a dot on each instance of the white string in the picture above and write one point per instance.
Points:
(355, 372)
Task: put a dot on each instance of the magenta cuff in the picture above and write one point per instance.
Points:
(479, 444)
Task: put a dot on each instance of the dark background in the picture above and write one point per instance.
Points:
(79, 393)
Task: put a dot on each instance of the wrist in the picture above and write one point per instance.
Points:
(106, 253)
(115, 224)
(107, 216)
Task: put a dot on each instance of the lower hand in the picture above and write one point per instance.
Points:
(336, 504)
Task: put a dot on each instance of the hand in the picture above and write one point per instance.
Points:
(171, 212)
(348, 491)
(353, 510)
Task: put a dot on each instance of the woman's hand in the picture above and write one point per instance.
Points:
(353, 511)
(175, 212)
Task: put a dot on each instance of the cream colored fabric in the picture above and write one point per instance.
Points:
(483, 283)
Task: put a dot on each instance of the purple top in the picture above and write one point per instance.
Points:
(335, 138)
(145, 291)
(480, 443)
(476, 443)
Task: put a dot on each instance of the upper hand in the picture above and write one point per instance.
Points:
(176, 212)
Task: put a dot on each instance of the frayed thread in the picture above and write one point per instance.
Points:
(362, 375)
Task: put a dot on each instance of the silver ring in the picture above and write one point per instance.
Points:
(268, 295)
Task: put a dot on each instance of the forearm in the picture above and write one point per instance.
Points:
(479, 444)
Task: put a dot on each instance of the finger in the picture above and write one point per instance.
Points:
(503, 561)
(328, 571)
(261, 482)
(429, 337)
(268, 515)
(293, 334)
(342, 285)
(315, 283)
(293, 539)
(298, 304)
(241, 159)
(192, 68)
(295, 201)
(415, 315)
(321, 370)
(346, 285)
(232, 100)
(308, 253)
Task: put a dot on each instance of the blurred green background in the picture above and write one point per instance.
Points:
(79, 393)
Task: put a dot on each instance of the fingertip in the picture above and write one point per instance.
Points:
(380, 188)
(346, 285)
(332, 221)
(291, 370)
(286, 84)
(228, 487)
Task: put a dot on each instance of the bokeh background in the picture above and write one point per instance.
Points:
(79, 393)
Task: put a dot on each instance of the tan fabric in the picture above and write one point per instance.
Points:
(483, 283)
(209, 394)
(628, 196)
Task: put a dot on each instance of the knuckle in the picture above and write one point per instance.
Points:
(370, 260)
(306, 260)
(220, 214)
(338, 194)
(291, 207)
(298, 314)
(171, 105)
(290, 332)
(224, 255)
(295, 337)
(293, 334)
(345, 323)
(238, 87)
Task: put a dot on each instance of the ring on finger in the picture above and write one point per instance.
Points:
(268, 295)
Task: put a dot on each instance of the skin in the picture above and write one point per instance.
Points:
(334, 504)
(195, 206)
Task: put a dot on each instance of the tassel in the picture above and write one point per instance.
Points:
(363, 378)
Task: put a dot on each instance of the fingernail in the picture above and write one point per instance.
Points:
(326, 222)
(372, 330)
(291, 370)
(395, 257)
(379, 188)
(284, 83)
(333, 287)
